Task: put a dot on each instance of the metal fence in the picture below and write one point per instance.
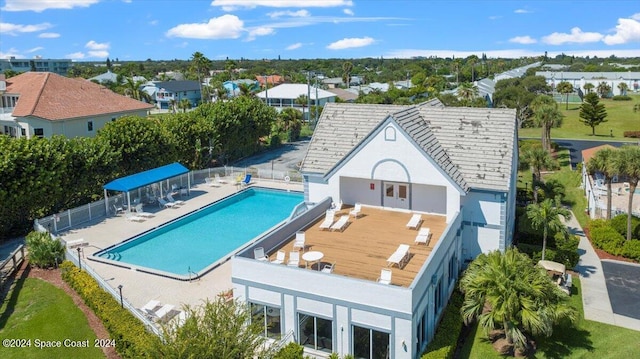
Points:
(11, 264)
(98, 210)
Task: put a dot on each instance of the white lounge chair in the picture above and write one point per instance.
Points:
(355, 212)
(415, 221)
(340, 224)
(299, 242)
(385, 276)
(328, 268)
(181, 318)
(166, 204)
(140, 212)
(258, 253)
(336, 206)
(423, 236)
(176, 201)
(328, 220)
(279, 258)
(400, 256)
(211, 183)
(219, 180)
(132, 217)
(150, 307)
(294, 259)
(162, 313)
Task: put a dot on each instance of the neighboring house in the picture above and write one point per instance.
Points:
(43, 104)
(168, 93)
(455, 166)
(233, 87)
(579, 79)
(285, 95)
(113, 78)
(57, 66)
(344, 95)
(272, 80)
(333, 82)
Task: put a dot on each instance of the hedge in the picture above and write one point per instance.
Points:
(619, 223)
(131, 336)
(444, 343)
(631, 134)
(607, 239)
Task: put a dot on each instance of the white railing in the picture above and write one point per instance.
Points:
(11, 264)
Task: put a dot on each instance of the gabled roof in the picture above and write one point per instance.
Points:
(587, 153)
(473, 145)
(179, 86)
(293, 91)
(344, 94)
(54, 97)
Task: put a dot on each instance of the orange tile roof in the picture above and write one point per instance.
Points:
(54, 97)
(589, 152)
(272, 79)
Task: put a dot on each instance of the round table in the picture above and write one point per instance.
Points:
(312, 256)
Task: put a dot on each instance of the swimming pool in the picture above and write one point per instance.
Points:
(204, 238)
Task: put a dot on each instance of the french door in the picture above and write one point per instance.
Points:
(396, 195)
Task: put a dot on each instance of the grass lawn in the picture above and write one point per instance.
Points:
(620, 118)
(36, 310)
(587, 339)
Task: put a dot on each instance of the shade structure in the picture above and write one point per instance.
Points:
(128, 183)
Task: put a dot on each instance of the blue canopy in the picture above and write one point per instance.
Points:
(128, 183)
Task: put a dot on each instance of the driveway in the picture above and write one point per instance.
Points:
(623, 285)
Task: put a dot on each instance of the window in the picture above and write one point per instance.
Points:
(38, 132)
(90, 126)
(315, 333)
(389, 134)
(113, 119)
(269, 317)
(422, 330)
(437, 298)
(388, 190)
(453, 268)
(370, 344)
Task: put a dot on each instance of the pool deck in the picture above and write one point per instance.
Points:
(139, 288)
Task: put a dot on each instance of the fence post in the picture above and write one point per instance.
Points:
(89, 206)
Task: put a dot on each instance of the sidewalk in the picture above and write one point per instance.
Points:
(595, 296)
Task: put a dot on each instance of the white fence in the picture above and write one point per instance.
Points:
(97, 210)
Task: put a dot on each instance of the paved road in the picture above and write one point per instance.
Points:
(286, 158)
(623, 284)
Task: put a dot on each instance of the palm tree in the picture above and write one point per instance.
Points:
(537, 158)
(133, 89)
(545, 216)
(603, 89)
(184, 104)
(467, 92)
(303, 100)
(602, 162)
(623, 88)
(519, 297)
(245, 90)
(200, 65)
(347, 67)
(628, 161)
(546, 115)
(589, 87)
(565, 88)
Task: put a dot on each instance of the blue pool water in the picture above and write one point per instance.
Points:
(198, 240)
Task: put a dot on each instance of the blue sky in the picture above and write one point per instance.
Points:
(92, 30)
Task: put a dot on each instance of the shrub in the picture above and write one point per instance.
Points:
(621, 98)
(44, 251)
(619, 223)
(631, 134)
(445, 341)
(607, 239)
(631, 249)
(275, 141)
(131, 337)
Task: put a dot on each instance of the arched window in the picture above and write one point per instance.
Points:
(390, 134)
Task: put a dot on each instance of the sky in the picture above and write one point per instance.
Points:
(131, 30)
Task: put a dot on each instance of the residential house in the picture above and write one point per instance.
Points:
(43, 104)
(272, 80)
(455, 167)
(285, 95)
(579, 79)
(344, 95)
(113, 78)
(170, 93)
(57, 66)
(233, 87)
(332, 82)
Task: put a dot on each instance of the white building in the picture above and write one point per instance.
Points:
(454, 166)
(285, 95)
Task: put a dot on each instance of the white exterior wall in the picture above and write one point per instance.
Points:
(483, 227)
(77, 127)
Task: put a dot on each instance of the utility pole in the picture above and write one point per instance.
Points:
(266, 89)
(309, 96)
(316, 104)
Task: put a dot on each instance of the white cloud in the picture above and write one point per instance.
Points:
(506, 54)
(35, 49)
(349, 43)
(75, 56)
(99, 53)
(95, 46)
(259, 31)
(495, 17)
(627, 30)
(348, 12)
(223, 27)
(230, 5)
(522, 11)
(299, 13)
(14, 29)
(525, 40)
(636, 16)
(49, 35)
(297, 45)
(153, 22)
(42, 5)
(576, 36)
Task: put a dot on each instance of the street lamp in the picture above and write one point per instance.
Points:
(79, 261)
(121, 302)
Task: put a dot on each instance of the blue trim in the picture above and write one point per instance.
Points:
(373, 170)
(128, 183)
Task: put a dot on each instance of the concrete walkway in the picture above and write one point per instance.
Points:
(595, 296)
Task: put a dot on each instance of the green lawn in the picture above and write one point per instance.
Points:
(37, 311)
(587, 339)
(620, 118)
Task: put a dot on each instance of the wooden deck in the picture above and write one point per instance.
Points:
(362, 249)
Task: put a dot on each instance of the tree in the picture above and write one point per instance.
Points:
(291, 122)
(565, 88)
(602, 162)
(603, 89)
(133, 89)
(303, 100)
(200, 64)
(217, 330)
(628, 163)
(623, 87)
(467, 92)
(592, 112)
(184, 104)
(545, 216)
(546, 115)
(44, 251)
(589, 87)
(347, 67)
(519, 298)
(537, 158)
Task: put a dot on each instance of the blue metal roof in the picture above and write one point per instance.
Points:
(128, 183)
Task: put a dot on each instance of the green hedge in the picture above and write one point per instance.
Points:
(607, 239)
(444, 343)
(131, 337)
(619, 223)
